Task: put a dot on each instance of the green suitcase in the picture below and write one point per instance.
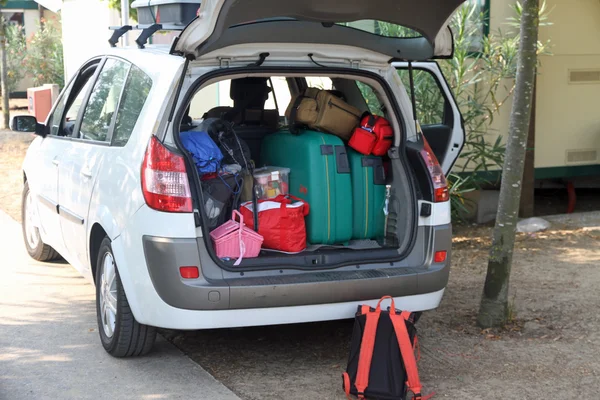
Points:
(319, 174)
(368, 194)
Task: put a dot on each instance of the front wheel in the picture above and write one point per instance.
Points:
(37, 249)
(120, 333)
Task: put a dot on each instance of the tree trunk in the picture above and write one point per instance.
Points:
(526, 210)
(4, 75)
(494, 302)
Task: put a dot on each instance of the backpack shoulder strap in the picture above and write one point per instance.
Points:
(408, 355)
(366, 350)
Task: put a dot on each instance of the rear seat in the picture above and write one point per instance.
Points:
(252, 121)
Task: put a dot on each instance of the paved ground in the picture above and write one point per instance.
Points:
(49, 345)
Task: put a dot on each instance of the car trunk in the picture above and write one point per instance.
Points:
(223, 23)
(363, 209)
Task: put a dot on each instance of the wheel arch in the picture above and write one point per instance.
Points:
(97, 234)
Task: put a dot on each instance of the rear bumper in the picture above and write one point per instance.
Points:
(216, 289)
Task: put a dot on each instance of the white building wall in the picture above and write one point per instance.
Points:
(85, 31)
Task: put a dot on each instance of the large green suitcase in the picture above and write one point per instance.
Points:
(319, 174)
(368, 195)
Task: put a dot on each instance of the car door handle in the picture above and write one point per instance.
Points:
(86, 172)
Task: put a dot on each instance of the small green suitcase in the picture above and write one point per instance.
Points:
(319, 174)
(368, 192)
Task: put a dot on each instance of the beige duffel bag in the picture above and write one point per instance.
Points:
(323, 111)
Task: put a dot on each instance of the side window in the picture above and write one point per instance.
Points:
(432, 106)
(76, 103)
(280, 95)
(135, 93)
(375, 106)
(217, 98)
(103, 101)
(55, 118)
(323, 83)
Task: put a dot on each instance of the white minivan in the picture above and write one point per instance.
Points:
(109, 186)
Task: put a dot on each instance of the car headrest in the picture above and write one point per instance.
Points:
(251, 91)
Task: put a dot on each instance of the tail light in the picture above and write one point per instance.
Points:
(440, 185)
(164, 179)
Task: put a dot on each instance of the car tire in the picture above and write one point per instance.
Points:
(36, 248)
(121, 335)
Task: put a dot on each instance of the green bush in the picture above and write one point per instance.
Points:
(15, 48)
(44, 57)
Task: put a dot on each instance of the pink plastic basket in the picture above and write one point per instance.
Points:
(235, 240)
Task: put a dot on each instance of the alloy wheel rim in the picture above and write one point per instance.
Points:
(32, 233)
(108, 295)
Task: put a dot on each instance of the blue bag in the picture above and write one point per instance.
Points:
(205, 152)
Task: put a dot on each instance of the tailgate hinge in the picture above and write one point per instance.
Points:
(225, 62)
(355, 64)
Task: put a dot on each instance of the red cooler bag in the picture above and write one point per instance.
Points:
(374, 136)
(280, 222)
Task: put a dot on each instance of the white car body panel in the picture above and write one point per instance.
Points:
(113, 199)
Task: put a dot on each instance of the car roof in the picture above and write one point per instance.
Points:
(154, 60)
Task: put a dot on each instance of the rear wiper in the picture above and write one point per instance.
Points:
(261, 59)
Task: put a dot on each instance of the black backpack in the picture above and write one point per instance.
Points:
(234, 149)
(382, 363)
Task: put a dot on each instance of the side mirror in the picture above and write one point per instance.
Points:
(27, 123)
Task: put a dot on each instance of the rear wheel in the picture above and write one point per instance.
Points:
(37, 249)
(120, 333)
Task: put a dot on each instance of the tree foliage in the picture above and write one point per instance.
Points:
(116, 4)
(44, 57)
(15, 48)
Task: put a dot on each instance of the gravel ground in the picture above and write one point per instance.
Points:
(549, 351)
(12, 151)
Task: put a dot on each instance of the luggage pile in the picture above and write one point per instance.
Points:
(335, 156)
(323, 180)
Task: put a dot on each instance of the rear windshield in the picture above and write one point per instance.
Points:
(382, 28)
(375, 27)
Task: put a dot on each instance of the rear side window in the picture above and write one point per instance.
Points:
(136, 92)
(375, 106)
(431, 103)
(104, 100)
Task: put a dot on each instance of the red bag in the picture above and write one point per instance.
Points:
(280, 222)
(374, 136)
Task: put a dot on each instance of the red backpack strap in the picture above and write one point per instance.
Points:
(366, 349)
(408, 354)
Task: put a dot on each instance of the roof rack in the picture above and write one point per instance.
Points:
(147, 31)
